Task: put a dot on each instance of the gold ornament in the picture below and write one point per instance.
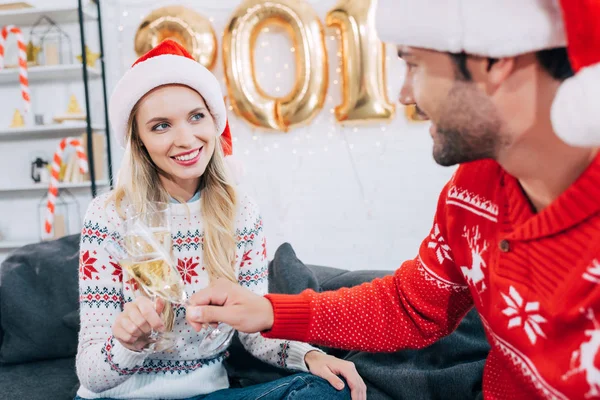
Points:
(364, 86)
(90, 57)
(185, 26)
(18, 121)
(74, 112)
(307, 97)
(73, 106)
(17, 5)
(32, 53)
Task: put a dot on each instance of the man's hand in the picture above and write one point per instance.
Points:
(329, 368)
(228, 302)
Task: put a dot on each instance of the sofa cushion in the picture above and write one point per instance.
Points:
(287, 274)
(41, 380)
(38, 288)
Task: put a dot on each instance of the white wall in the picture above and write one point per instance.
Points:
(351, 198)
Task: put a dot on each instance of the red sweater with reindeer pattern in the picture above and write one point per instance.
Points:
(533, 277)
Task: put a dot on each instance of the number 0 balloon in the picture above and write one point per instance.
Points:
(307, 96)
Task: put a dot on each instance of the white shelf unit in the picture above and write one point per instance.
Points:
(49, 73)
(41, 187)
(19, 196)
(53, 131)
(29, 16)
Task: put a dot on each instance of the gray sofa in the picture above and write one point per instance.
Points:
(39, 323)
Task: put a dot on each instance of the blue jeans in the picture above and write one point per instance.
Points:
(303, 386)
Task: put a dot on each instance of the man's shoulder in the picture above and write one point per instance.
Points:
(478, 172)
(474, 187)
(482, 175)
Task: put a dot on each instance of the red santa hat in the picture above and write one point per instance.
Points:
(505, 28)
(167, 63)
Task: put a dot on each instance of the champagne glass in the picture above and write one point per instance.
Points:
(146, 254)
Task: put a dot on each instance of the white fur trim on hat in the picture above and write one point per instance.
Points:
(575, 110)
(163, 70)
(490, 28)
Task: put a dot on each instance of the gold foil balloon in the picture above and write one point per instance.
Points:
(307, 96)
(364, 89)
(185, 26)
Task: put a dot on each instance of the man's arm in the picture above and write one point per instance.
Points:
(423, 301)
(410, 309)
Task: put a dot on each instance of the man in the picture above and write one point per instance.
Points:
(517, 228)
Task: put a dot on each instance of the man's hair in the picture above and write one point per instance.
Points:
(554, 61)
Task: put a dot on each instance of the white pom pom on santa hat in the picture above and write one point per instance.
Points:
(576, 108)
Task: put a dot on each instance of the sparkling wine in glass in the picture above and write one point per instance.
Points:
(146, 255)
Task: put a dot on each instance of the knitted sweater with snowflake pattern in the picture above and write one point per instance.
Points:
(106, 368)
(533, 277)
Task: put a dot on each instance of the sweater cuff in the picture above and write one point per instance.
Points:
(121, 359)
(291, 317)
(296, 354)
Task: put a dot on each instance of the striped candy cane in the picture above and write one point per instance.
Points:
(22, 60)
(56, 162)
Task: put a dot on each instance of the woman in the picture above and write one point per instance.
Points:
(169, 114)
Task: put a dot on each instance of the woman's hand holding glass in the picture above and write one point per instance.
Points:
(145, 254)
(135, 325)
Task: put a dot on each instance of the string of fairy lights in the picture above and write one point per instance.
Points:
(320, 137)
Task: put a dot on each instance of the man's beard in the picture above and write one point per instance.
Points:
(468, 127)
(457, 147)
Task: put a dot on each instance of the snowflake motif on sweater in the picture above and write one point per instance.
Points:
(106, 368)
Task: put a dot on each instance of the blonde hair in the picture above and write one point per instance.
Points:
(138, 182)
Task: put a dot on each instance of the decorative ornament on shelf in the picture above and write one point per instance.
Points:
(74, 112)
(82, 163)
(364, 86)
(18, 5)
(190, 29)
(22, 61)
(18, 121)
(90, 57)
(33, 52)
(40, 171)
(248, 100)
(66, 217)
(54, 43)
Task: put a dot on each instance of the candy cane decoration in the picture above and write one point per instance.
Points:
(22, 60)
(56, 162)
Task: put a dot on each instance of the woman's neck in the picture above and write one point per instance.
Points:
(182, 190)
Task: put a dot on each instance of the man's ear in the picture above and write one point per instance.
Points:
(499, 70)
(490, 72)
